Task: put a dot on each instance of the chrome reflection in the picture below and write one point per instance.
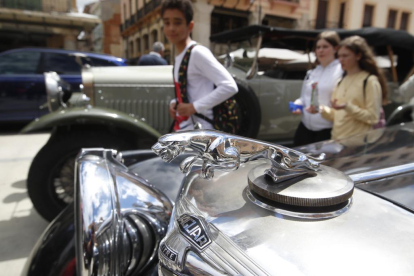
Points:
(301, 215)
(58, 91)
(382, 173)
(217, 150)
(119, 218)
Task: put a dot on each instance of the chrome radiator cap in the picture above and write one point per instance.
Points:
(325, 187)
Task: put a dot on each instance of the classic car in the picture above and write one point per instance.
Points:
(228, 205)
(127, 107)
(22, 85)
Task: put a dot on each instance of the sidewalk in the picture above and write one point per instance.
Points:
(20, 225)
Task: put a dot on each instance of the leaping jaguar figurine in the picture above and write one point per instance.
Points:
(222, 151)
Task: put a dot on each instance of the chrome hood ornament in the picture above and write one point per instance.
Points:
(216, 150)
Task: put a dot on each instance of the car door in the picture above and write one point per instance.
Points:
(22, 88)
(67, 65)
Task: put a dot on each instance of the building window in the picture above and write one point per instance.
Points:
(279, 21)
(154, 35)
(341, 15)
(405, 17)
(138, 42)
(131, 47)
(368, 15)
(225, 20)
(321, 14)
(146, 43)
(130, 8)
(392, 18)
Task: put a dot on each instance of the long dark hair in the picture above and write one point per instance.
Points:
(358, 45)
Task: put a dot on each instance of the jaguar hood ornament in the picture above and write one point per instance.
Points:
(215, 150)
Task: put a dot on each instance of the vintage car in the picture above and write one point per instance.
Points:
(127, 107)
(222, 204)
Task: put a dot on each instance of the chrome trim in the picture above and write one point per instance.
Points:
(217, 150)
(88, 85)
(252, 71)
(54, 91)
(120, 218)
(133, 85)
(382, 173)
(312, 216)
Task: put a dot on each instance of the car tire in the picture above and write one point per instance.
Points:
(251, 114)
(50, 183)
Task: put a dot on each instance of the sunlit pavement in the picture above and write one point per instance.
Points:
(20, 224)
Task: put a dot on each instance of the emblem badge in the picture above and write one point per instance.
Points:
(193, 230)
(168, 252)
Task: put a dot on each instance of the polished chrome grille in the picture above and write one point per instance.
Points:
(153, 112)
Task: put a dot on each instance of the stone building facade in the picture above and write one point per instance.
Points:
(142, 25)
(106, 37)
(354, 14)
(42, 23)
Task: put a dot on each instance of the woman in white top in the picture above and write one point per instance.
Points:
(313, 127)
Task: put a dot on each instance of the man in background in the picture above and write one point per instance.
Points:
(155, 56)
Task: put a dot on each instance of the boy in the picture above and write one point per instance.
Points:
(203, 70)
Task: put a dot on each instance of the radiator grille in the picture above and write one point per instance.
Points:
(153, 112)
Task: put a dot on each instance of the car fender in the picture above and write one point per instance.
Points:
(401, 114)
(91, 115)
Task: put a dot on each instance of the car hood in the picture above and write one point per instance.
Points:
(377, 149)
(374, 237)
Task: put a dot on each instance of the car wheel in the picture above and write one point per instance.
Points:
(50, 183)
(251, 114)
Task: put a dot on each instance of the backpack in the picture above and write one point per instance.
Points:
(381, 122)
(226, 115)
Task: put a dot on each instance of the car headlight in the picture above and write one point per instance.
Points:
(58, 91)
(120, 219)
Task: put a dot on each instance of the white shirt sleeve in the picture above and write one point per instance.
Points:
(209, 67)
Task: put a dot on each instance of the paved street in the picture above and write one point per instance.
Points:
(20, 225)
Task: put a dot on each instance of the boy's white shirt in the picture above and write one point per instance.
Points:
(203, 72)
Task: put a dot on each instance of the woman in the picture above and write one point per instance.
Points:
(356, 101)
(314, 128)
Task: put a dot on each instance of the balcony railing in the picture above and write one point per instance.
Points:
(315, 24)
(150, 6)
(140, 14)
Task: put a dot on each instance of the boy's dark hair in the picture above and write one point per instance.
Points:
(184, 6)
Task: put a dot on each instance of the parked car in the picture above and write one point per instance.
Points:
(22, 85)
(217, 209)
(128, 106)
